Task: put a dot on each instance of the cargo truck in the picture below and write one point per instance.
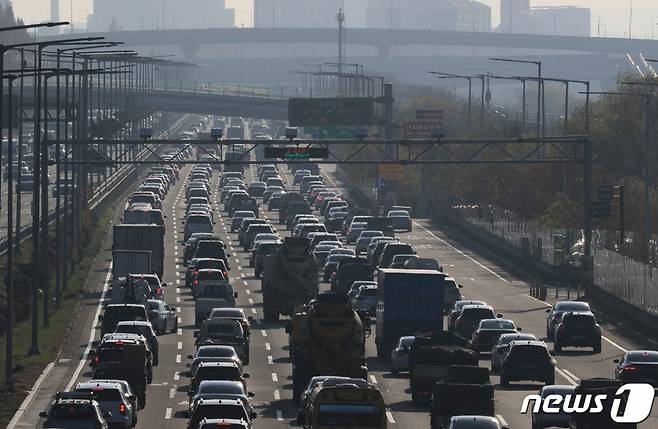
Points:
(290, 278)
(408, 302)
(142, 237)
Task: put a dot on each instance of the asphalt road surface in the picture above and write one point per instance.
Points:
(270, 367)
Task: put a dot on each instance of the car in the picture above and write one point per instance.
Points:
(398, 261)
(115, 404)
(317, 382)
(451, 293)
(487, 333)
(376, 248)
(321, 251)
(400, 354)
(527, 360)
(470, 316)
(261, 252)
(221, 389)
(638, 366)
(213, 353)
(256, 189)
(254, 230)
(197, 264)
(500, 349)
(357, 285)
(355, 229)
(191, 243)
(365, 300)
(232, 409)
(560, 419)
(473, 422)
(224, 331)
(555, 313)
(331, 264)
(305, 229)
(577, 329)
(275, 201)
(236, 220)
(401, 219)
(263, 237)
(233, 314)
(364, 239)
(423, 264)
(197, 223)
(157, 287)
(390, 250)
(127, 390)
(456, 311)
(115, 313)
(246, 223)
(74, 410)
(213, 250)
(144, 329)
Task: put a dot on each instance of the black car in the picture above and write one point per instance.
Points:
(527, 360)
(146, 330)
(488, 332)
(74, 410)
(638, 366)
(578, 329)
(212, 249)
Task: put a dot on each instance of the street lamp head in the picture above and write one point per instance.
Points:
(291, 132)
(216, 133)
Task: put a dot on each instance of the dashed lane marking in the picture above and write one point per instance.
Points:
(263, 332)
(612, 343)
(176, 376)
(389, 417)
(253, 310)
(237, 261)
(251, 301)
(168, 414)
(502, 421)
(177, 290)
(570, 374)
(240, 268)
(180, 320)
(172, 393)
(180, 331)
(373, 379)
(277, 395)
(270, 360)
(178, 310)
(566, 377)
(275, 378)
(178, 299)
(268, 347)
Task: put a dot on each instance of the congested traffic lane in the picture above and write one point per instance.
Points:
(485, 280)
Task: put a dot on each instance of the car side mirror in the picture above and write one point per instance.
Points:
(250, 394)
(183, 222)
(43, 414)
(100, 317)
(251, 319)
(460, 286)
(548, 310)
(229, 255)
(165, 216)
(253, 415)
(245, 375)
(615, 360)
(164, 284)
(499, 315)
(288, 328)
(441, 269)
(235, 295)
(196, 334)
(518, 329)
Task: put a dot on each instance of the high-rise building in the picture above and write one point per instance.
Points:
(449, 15)
(516, 16)
(150, 14)
(296, 13)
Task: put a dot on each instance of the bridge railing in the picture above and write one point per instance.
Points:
(223, 89)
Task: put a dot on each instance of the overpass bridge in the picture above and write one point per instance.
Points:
(379, 38)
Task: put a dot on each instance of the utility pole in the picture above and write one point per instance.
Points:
(630, 22)
(341, 20)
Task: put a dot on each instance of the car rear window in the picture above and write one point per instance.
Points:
(133, 329)
(102, 395)
(368, 292)
(74, 411)
(497, 324)
(478, 313)
(209, 352)
(199, 220)
(578, 320)
(218, 372)
(224, 329)
(529, 352)
(210, 275)
(643, 357)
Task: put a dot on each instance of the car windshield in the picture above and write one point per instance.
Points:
(398, 213)
(349, 415)
(529, 352)
(497, 324)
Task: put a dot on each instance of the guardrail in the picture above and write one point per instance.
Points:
(99, 193)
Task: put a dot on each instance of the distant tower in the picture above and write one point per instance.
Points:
(54, 10)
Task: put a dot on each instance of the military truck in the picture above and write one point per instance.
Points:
(329, 339)
(465, 390)
(290, 278)
(430, 358)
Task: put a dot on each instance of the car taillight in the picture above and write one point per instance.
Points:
(196, 283)
(630, 369)
(195, 272)
(98, 359)
(122, 408)
(225, 274)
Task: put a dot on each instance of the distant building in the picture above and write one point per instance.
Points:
(296, 13)
(449, 15)
(147, 15)
(516, 16)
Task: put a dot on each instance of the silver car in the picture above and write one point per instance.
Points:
(116, 406)
(162, 317)
(400, 354)
(561, 419)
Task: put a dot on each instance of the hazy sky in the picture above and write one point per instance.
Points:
(614, 14)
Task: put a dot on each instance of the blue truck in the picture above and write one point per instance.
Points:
(409, 302)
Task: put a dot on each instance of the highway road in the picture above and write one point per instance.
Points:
(270, 368)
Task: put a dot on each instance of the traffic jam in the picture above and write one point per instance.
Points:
(283, 247)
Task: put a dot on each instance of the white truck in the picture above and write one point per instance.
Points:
(142, 237)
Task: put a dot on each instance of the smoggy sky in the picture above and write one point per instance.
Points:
(613, 14)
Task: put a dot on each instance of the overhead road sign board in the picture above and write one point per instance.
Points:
(392, 172)
(429, 115)
(296, 153)
(327, 112)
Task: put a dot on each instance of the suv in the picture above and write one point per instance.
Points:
(74, 410)
(555, 313)
(144, 329)
(219, 409)
(527, 360)
(470, 316)
(227, 332)
(115, 313)
(392, 249)
(578, 329)
(113, 401)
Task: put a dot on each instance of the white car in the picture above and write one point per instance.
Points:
(400, 354)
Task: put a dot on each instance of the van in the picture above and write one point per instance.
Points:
(115, 313)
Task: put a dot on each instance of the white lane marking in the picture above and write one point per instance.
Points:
(274, 377)
(251, 301)
(167, 413)
(270, 360)
(178, 358)
(237, 261)
(373, 379)
(566, 377)
(178, 289)
(502, 421)
(243, 275)
(92, 333)
(246, 283)
(180, 320)
(175, 247)
(268, 347)
(277, 395)
(178, 309)
(176, 376)
(389, 417)
(462, 253)
(172, 392)
(570, 374)
(253, 310)
(175, 252)
(28, 399)
(539, 300)
(263, 332)
(180, 345)
(180, 331)
(247, 291)
(612, 343)
(279, 415)
(178, 299)
(240, 268)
